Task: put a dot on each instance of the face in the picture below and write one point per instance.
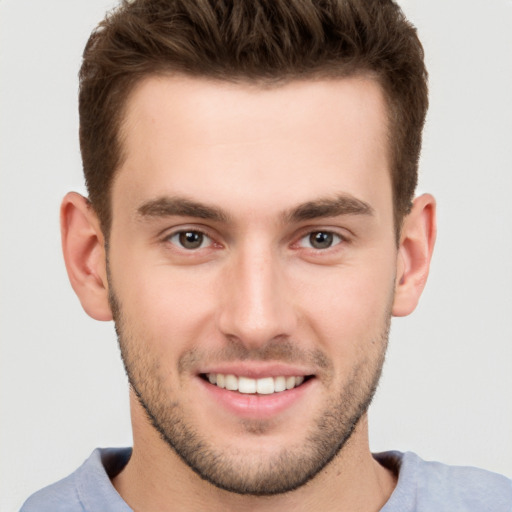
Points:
(252, 267)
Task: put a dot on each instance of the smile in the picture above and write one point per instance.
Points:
(246, 385)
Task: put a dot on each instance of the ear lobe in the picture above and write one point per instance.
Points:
(84, 255)
(414, 254)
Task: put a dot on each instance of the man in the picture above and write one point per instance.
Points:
(251, 229)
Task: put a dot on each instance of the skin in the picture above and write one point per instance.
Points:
(255, 298)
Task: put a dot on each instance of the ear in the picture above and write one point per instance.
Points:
(414, 254)
(83, 246)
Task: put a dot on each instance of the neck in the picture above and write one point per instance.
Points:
(156, 479)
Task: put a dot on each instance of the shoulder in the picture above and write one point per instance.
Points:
(57, 497)
(427, 485)
(86, 488)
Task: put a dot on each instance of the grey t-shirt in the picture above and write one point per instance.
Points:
(422, 487)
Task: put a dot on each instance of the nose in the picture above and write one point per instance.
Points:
(256, 305)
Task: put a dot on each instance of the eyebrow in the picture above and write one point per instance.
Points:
(342, 204)
(170, 206)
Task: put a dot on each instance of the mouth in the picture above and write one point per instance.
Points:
(261, 386)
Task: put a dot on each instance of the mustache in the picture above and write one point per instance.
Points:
(276, 350)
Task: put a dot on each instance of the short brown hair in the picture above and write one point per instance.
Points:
(266, 41)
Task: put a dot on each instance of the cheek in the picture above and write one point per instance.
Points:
(349, 310)
(163, 308)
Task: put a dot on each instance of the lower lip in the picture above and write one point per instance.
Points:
(254, 406)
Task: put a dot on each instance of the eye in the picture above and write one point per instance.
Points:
(190, 239)
(320, 240)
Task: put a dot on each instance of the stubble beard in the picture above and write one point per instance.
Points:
(240, 473)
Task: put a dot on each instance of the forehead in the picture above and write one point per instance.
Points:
(217, 140)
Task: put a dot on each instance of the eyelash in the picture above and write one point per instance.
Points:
(332, 238)
(184, 232)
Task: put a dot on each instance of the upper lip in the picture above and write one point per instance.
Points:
(257, 370)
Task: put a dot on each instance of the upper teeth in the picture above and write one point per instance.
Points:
(264, 386)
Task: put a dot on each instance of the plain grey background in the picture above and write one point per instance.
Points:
(446, 389)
